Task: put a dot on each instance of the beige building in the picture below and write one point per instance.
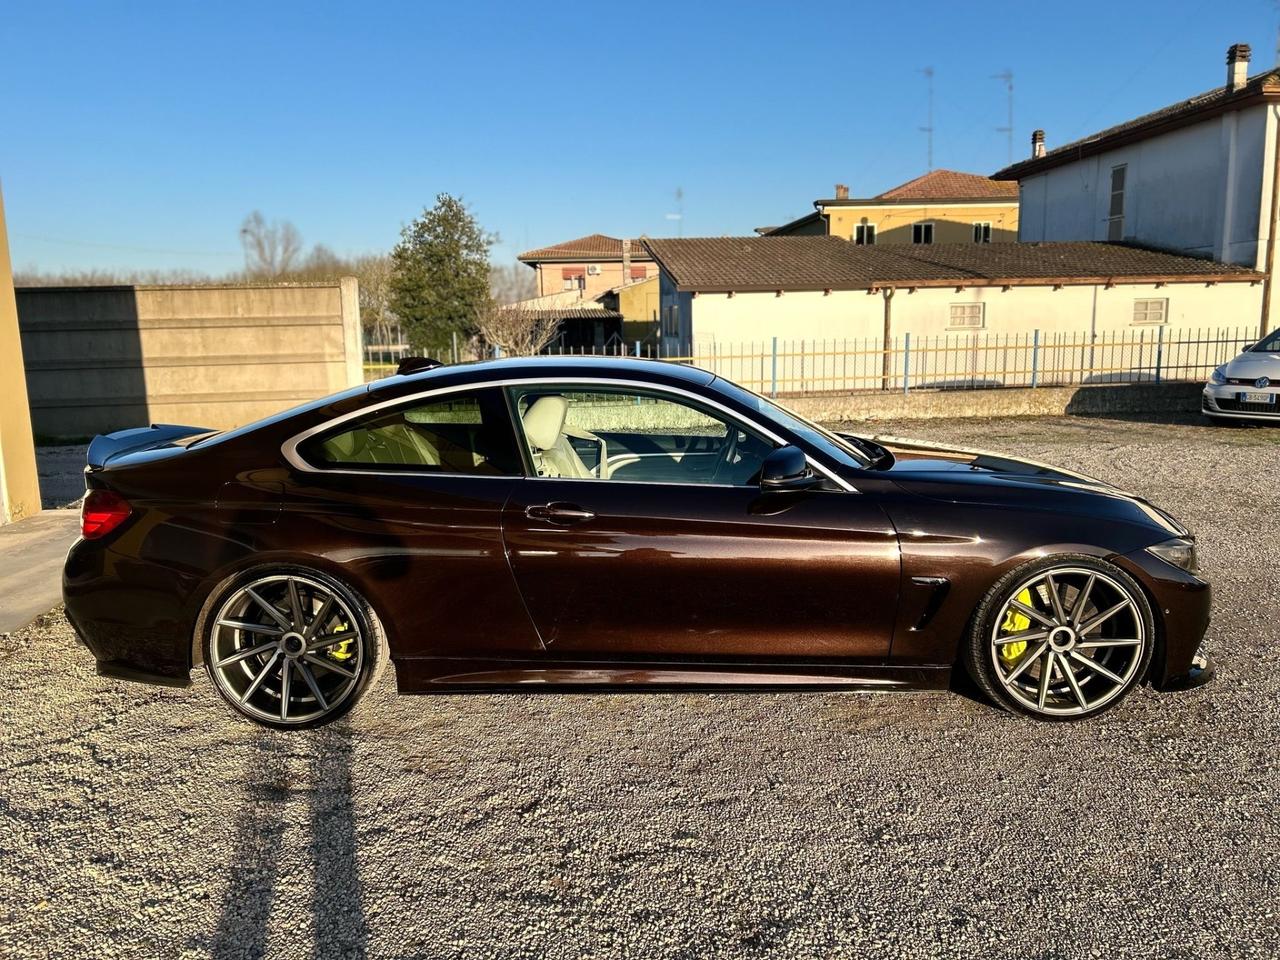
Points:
(19, 487)
(589, 265)
(747, 290)
(942, 206)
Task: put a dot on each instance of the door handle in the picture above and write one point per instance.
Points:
(562, 513)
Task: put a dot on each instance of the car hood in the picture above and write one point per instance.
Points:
(1251, 366)
(960, 475)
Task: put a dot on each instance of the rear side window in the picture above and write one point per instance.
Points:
(461, 433)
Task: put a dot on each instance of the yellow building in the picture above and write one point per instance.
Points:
(19, 487)
(943, 206)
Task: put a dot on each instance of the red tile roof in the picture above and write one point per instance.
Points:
(820, 263)
(595, 246)
(949, 185)
(936, 186)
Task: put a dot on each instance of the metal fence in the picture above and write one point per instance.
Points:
(782, 367)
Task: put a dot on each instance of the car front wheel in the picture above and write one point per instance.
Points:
(290, 647)
(1061, 638)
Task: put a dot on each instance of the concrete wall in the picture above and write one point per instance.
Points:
(1119, 399)
(1202, 189)
(718, 318)
(19, 488)
(952, 223)
(103, 358)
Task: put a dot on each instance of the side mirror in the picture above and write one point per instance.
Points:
(787, 469)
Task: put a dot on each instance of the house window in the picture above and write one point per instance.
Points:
(1115, 213)
(575, 278)
(864, 234)
(922, 232)
(639, 273)
(967, 316)
(982, 232)
(1150, 311)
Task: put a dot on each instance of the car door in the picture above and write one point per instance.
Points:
(407, 498)
(635, 547)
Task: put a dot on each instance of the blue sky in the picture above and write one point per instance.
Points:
(139, 135)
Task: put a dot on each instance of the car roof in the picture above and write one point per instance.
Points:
(543, 367)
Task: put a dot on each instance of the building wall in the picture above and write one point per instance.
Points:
(106, 358)
(718, 319)
(640, 306)
(550, 276)
(953, 223)
(19, 487)
(1198, 189)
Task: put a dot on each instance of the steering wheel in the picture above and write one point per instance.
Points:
(728, 453)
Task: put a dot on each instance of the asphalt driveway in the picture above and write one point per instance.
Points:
(143, 822)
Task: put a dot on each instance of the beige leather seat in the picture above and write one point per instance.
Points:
(553, 454)
(393, 443)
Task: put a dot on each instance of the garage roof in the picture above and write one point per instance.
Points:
(830, 263)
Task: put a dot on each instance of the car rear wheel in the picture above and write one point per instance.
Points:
(289, 647)
(1062, 638)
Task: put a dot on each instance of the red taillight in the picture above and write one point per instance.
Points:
(101, 513)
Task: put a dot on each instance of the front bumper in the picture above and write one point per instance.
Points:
(1182, 604)
(1220, 400)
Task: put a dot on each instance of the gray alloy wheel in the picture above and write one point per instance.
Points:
(290, 648)
(1062, 639)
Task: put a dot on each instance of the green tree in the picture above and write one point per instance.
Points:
(440, 275)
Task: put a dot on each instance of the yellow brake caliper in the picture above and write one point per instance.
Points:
(1015, 622)
(342, 651)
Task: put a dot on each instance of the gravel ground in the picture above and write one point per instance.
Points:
(145, 822)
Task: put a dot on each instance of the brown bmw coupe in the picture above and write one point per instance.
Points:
(561, 523)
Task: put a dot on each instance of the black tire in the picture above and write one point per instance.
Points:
(356, 611)
(981, 656)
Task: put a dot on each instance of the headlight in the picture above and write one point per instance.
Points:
(1181, 553)
(1219, 375)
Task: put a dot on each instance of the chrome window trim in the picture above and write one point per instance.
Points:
(289, 448)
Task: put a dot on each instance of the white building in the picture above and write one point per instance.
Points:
(1195, 177)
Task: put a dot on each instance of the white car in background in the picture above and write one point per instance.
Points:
(1247, 388)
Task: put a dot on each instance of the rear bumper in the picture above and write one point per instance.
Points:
(135, 628)
(1182, 604)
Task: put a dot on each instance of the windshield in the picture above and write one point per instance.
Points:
(1268, 344)
(839, 450)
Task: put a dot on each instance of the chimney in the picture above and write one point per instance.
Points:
(1237, 66)
(842, 191)
(626, 261)
(1037, 144)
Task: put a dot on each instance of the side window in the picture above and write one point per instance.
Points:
(638, 436)
(466, 433)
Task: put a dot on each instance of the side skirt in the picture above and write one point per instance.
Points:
(440, 675)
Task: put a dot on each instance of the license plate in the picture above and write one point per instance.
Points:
(1248, 396)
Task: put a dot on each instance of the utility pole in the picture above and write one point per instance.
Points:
(678, 216)
(1007, 76)
(928, 75)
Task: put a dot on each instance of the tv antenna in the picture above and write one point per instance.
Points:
(1007, 76)
(928, 75)
(678, 216)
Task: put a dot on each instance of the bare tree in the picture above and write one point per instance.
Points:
(270, 249)
(517, 330)
(512, 282)
(374, 274)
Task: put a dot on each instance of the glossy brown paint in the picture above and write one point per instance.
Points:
(665, 584)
